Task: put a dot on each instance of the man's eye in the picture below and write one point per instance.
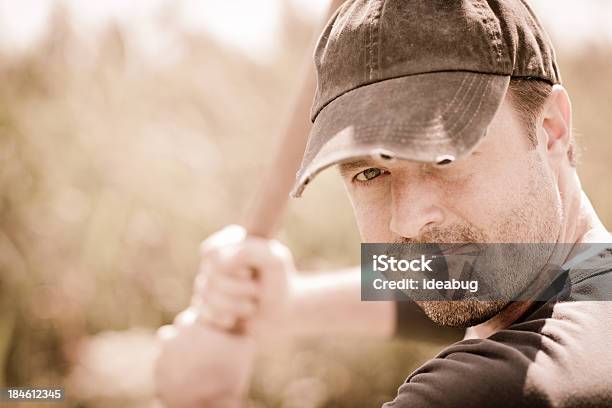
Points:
(369, 174)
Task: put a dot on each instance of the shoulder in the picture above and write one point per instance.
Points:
(474, 373)
(556, 355)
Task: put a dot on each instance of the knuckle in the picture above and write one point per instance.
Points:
(280, 251)
(231, 234)
(165, 333)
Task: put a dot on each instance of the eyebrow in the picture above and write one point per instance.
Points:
(348, 168)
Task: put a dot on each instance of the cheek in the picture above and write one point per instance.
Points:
(490, 193)
(508, 197)
(372, 216)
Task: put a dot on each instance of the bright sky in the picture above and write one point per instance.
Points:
(249, 25)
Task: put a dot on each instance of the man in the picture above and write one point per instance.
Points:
(449, 124)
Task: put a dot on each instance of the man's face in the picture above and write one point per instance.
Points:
(503, 192)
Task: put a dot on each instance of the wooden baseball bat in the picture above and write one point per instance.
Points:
(267, 206)
(263, 215)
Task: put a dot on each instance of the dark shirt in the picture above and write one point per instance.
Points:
(558, 354)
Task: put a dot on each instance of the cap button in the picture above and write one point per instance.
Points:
(382, 154)
(445, 159)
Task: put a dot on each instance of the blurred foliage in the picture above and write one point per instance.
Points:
(113, 168)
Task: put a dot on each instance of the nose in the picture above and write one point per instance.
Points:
(414, 207)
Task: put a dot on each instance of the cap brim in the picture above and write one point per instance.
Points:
(425, 118)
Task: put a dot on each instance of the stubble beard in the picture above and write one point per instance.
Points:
(461, 313)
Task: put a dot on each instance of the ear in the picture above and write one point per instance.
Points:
(556, 121)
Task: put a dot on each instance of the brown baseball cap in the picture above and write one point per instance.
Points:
(417, 79)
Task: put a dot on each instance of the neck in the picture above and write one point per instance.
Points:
(581, 225)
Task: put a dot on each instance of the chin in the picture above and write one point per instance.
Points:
(461, 313)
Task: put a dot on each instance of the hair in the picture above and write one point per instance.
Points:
(528, 96)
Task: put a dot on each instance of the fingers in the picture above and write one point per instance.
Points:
(236, 273)
(223, 298)
(239, 285)
(241, 308)
(220, 320)
(267, 256)
(238, 255)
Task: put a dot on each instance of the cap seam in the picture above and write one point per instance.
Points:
(372, 64)
(536, 22)
(492, 32)
(325, 36)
